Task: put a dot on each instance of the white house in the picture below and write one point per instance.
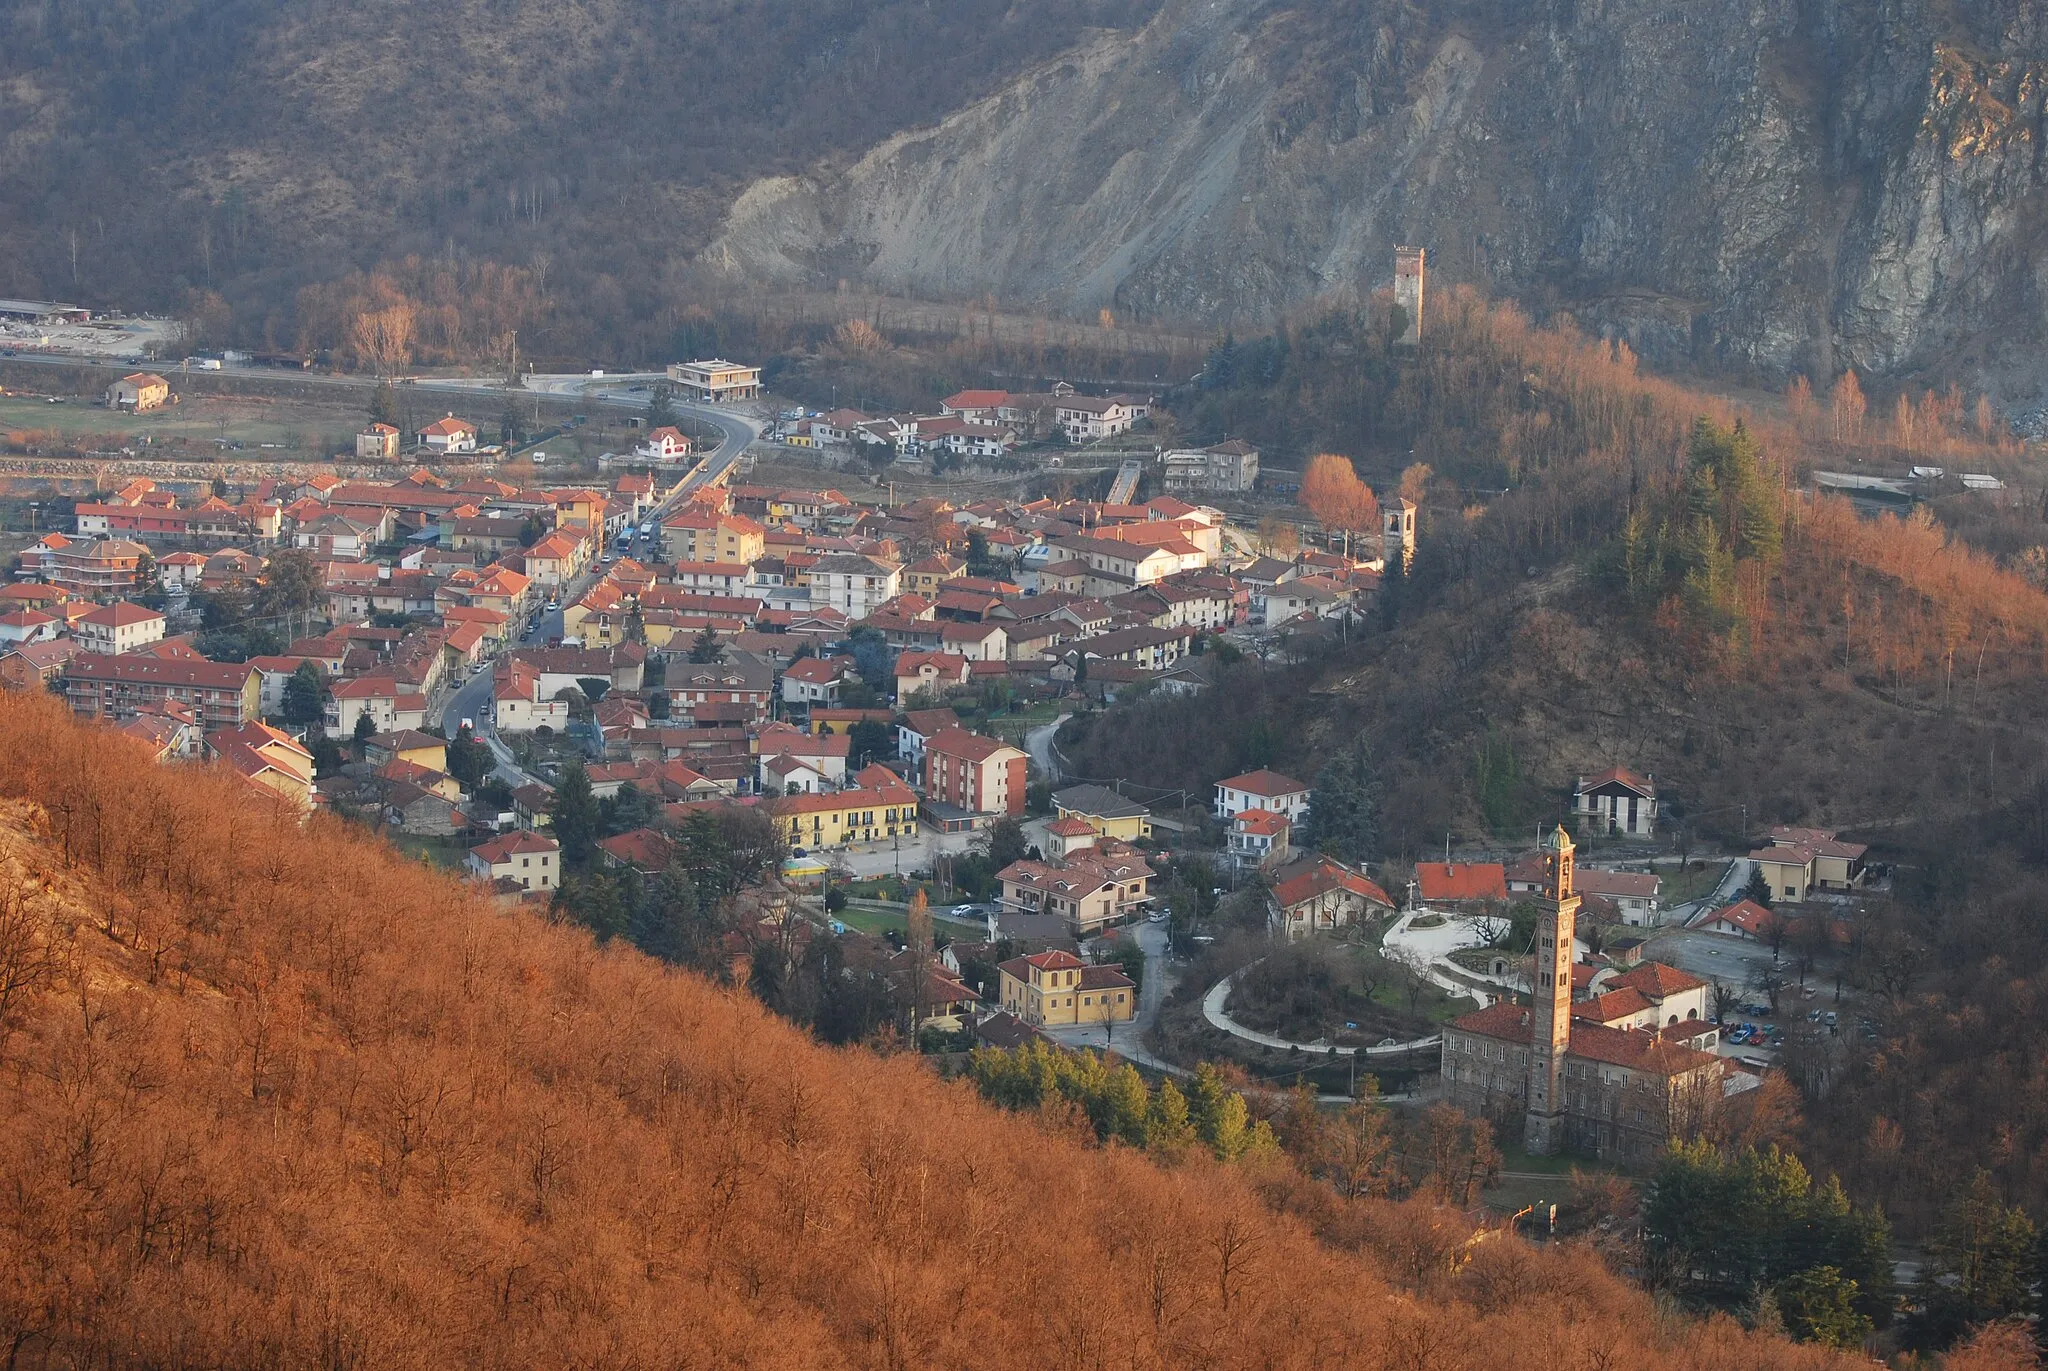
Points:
(518, 705)
(1085, 418)
(854, 585)
(118, 627)
(814, 680)
(666, 444)
(1616, 801)
(1262, 789)
(1634, 893)
(525, 857)
(449, 434)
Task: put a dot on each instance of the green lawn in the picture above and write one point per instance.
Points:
(1680, 887)
(877, 920)
(1013, 727)
(444, 852)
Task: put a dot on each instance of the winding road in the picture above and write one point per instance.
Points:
(736, 431)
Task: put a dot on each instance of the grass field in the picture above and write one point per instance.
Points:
(877, 920)
(1680, 887)
(283, 428)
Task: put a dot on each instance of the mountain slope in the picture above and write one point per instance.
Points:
(253, 147)
(283, 1098)
(1782, 186)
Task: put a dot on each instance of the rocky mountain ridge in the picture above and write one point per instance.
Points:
(1774, 186)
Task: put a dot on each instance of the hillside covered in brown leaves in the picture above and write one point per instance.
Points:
(282, 1098)
(1561, 617)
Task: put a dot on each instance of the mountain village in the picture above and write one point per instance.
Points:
(882, 682)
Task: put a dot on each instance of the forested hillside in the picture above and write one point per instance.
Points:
(1615, 570)
(249, 148)
(1749, 189)
(278, 1097)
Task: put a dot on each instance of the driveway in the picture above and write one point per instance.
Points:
(1127, 1040)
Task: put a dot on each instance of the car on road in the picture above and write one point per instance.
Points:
(961, 911)
(1157, 916)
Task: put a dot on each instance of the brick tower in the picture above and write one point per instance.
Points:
(1408, 270)
(1550, 1009)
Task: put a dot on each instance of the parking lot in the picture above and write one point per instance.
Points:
(1713, 957)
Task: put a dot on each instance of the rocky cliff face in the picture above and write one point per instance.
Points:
(1774, 185)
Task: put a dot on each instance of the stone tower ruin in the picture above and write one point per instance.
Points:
(1408, 270)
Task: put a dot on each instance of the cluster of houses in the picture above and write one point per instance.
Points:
(982, 425)
(757, 606)
(979, 424)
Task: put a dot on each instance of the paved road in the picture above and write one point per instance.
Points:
(1038, 742)
(1127, 1040)
(1724, 893)
(473, 699)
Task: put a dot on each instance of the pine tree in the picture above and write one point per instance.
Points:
(305, 693)
(1980, 1264)
(574, 816)
(1169, 1132)
(1344, 813)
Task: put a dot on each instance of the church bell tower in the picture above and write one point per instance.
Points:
(1550, 1010)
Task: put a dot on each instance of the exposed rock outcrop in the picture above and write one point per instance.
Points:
(1774, 184)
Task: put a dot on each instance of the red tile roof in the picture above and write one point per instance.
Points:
(1636, 1049)
(513, 845)
(1461, 880)
(1747, 915)
(1656, 980)
(1263, 822)
(120, 614)
(973, 747)
(1325, 876)
(1270, 784)
(1619, 775)
(1821, 841)
(1613, 1007)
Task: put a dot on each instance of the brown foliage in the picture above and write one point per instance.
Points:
(1995, 1347)
(296, 1101)
(1332, 492)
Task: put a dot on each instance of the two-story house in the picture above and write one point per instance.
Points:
(531, 860)
(1058, 988)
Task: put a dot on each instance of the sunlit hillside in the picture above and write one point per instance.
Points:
(280, 1098)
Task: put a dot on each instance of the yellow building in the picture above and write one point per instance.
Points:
(1102, 809)
(825, 720)
(268, 759)
(144, 390)
(1059, 989)
(584, 507)
(878, 809)
(410, 745)
(702, 534)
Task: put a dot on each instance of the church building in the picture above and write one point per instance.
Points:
(1575, 1081)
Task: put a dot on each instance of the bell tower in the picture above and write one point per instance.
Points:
(1550, 1010)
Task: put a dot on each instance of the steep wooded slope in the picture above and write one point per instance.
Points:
(284, 1099)
(1871, 674)
(249, 147)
